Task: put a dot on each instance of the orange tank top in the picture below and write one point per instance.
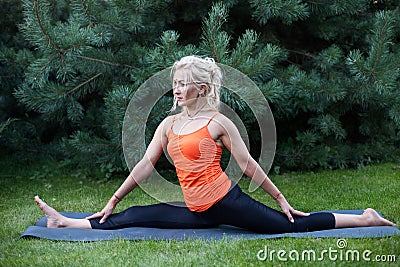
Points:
(197, 158)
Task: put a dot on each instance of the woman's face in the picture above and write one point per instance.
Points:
(185, 92)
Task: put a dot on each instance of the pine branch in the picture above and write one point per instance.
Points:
(82, 140)
(86, 11)
(5, 124)
(45, 66)
(302, 53)
(298, 152)
(36, 7)
(244, 47)
(215, 40)
(75, 110)
(106, 62)
(96, 144)
(287, 10)
(319, 3)
(381, 43)
(85, 82)
(213, 37)
(77, 45)
(306, 138)
(380, 67)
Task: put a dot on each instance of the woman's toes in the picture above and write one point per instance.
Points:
(54, 219)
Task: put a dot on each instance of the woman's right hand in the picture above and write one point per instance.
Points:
(105, 212)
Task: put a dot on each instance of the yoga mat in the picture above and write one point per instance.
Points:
(39, 230)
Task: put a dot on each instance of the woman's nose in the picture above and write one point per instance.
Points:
(177, 90)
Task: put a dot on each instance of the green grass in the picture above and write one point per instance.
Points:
(79, 190)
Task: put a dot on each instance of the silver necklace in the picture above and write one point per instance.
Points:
(192, 117)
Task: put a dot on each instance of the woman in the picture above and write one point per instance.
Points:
(210, 197)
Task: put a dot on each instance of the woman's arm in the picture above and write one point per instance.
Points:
(140, 172)
(234, 143)
(145, 166)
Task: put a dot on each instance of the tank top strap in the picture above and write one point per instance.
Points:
(170, 129)
(211, 118)
(173, 121)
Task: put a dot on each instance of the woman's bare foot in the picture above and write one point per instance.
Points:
(372, 218)
(54, 219)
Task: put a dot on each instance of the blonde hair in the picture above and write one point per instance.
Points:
(201, 70)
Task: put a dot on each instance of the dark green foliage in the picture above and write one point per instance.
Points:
(329, 69)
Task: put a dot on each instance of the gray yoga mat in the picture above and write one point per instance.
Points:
(39, 230)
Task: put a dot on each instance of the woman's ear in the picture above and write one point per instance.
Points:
(203, 89)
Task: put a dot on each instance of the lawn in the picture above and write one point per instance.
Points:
(375, 186)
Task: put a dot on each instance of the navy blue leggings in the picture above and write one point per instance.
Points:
(236, 209)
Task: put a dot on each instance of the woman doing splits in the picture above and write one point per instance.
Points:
(194, 139)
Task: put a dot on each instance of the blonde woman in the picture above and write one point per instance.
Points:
(194, 139)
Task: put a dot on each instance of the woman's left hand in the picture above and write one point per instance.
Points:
(288, 210)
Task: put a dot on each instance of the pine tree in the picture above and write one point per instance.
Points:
(330, 71)
(348, 101)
